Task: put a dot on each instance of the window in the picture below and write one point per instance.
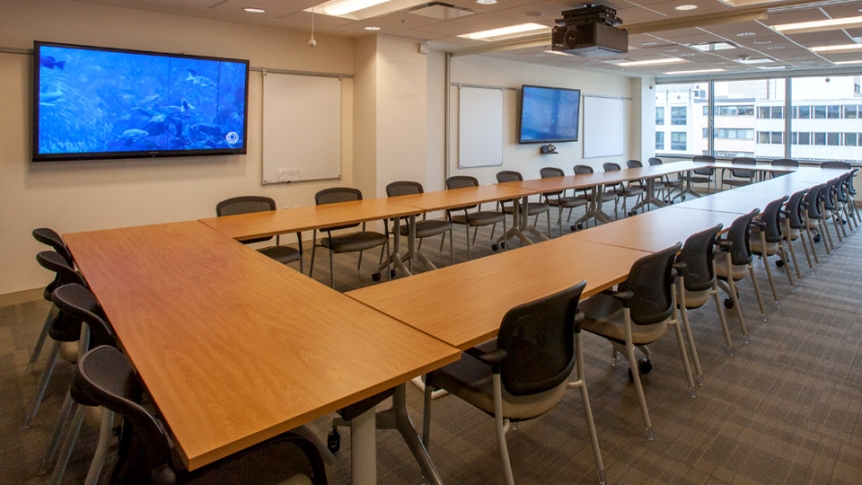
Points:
(770, 137)
(705, 132)
(820, 138)
(800, 138)
(777, 112)
(706, 110)
(659, 140)
(802, 112)
(678, 115)
(733, 110)
(777, 138)
(734, 133)
(851, 112)
(770, 112)
(820, 112)
(677, 140)
(833, 112)
(833, 139)
(659, 116)
(851, 139)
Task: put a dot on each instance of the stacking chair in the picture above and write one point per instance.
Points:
(524, 372)
(65, 332)
(622, 190)
(533, 208)
(815, 222)
(843, 202)
(829, 209)
(48, 237)
(783, 162)
(792, 225)
(345, 243)
(252, 203)
(704, 175)
(767, 240)
(732, 263)
(851, 192)
(697, 282)
(836, 164)
(739, 177)
(78, 303)
(425, 227)
(603, 196)
(475, 219)
(638, 314)
(559, 199)
(668, 184)
(104, 377)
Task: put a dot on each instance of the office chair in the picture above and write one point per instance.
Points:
(668, 184)
(704, 175)
(843, 201)
(65, 332)
(836, 164)
(814, 221)
(252, 203)
(739, 177)
(638, 314)
(783, 162)
(792, 224)
(475, 219)
(767, 241)
(345, 243)
(601, 196)
(105, 377)
(733, 261)
(697, 282)
(79, 304)
(830, 210)
(425, 227)
(560, 200)
(622, 190)
(524, 372)
(533, 208)
(48, 237)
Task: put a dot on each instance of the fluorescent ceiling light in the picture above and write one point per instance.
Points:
(830, 48)
(337, 8)
(842, 63)
(486, 2)
(372, 28)
(685, 7)
(819, 25)
(713, 46)
(653, 62)
(699, 71)
(254, 10)
(762, 60)
(512, 31)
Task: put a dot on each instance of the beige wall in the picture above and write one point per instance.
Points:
(81, 196)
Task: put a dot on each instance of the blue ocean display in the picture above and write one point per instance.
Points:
(549, 114)
(98, 102)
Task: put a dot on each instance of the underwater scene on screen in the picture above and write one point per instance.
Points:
(94, 101)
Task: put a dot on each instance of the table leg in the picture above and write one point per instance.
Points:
(599, 214)
(650, 198)
(413, 251)
(688, 189)
(395, 257)
(363, 448)
(515, 230)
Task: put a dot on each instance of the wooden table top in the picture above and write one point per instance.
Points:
(464, 304)
(234, 347)
(467, 196)
(585, 181)
(657, 229)
(297, 219)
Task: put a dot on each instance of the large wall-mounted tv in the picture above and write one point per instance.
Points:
(98, 103)
(549, 114)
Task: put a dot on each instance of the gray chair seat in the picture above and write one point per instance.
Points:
(357, 241)
(603, 315)
(771, 247)
(567, 202)
(430, 227)
(481, 218)
(737, 271)
(696, 299)
(282, 254)
(533, 208)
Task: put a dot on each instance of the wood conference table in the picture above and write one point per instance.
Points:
(235, 348)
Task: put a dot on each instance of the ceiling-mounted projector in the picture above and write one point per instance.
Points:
(590, 31)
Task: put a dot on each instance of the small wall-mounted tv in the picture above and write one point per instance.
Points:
(549, 114)
(102, 103)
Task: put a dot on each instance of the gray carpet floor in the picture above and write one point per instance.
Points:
(786, 409)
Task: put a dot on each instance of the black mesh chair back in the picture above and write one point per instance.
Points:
(707, 170)
(826, 195)
(785, 162)
(697, 254)
(794, 210)
(650, 282)
(550, 172)
(655, 161)
(509, 176)
(850, 188)
(611, 166)
(771, 220)
(460, 182)
(812, 201)
(746, 174)
(634, 164)
(841, 188)
(105, 376)
(50, 237)
(404, 187)
(56, 263)
(337, 195)
(583, 169)
(79, 303)
(835, 164)
(739, 236)
(245, 205)
(540, 331)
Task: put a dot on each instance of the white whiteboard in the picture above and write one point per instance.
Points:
(604, 127)
(480, 127)
(301, 128)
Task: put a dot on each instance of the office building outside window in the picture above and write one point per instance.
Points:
(659, 140)
(659, 116)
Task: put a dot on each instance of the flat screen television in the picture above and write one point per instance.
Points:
(549, 114)
(102, 103)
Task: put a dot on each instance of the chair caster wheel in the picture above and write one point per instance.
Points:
(393, 272)
(495, 247)
(644, 367)
(779, 264)
(577, 227)
(633, 213)
(376, 276)
(728, 303)
(333, 441)
(817, 238)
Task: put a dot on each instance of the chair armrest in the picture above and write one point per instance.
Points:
(680, 268)
(494, 359)
(724, 245)
(758, 224)
(624, 296)
(579, 318)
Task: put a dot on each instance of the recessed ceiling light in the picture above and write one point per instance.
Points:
(762, 42)
(775, 47)
(652, 42)
(652, 62)
(762, 60)
(830, 48)
(820, 25)
(713, 46)
(372, 28)
(533, 13)
(745, 34)
(699, 71)
(338, 8)
(685, 7)
(486, 2)
(254, 10)
(670, 50)
(797, 58)
(688, 54)
(842, 63)
(512, 30)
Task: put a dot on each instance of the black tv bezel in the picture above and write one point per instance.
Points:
(141, 154)
(547, 140)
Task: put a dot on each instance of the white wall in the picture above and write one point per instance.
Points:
(526, 158)
(82, 196)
